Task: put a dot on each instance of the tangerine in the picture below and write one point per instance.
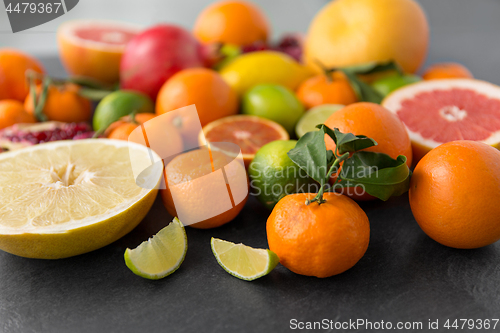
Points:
(231, 22)
(12, 112)
(325, 89)
(318, 239)
(448, 70)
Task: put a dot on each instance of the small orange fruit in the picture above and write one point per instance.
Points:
(448, 70)
(13, 67)
(184, 173)
(13, 112)
(318, 239)
(204, 88)
(376, 122)
(454, 194)
(231, 22)
(326, 89)
(62, 104)
(121, 129)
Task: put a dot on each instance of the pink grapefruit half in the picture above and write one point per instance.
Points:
(439, 111)
(94, 48)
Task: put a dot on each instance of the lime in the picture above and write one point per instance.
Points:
(160, 255)
(273, 102)
(388, 84)
(273, 175)
(315, 116)
(119, 104)
(243, 261)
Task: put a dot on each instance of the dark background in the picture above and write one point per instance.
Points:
(404, 276)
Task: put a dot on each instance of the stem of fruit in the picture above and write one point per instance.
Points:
(94, 94)
(319, 197)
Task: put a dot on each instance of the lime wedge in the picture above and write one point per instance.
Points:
(160, 255)
(242, 261)
(315, 116)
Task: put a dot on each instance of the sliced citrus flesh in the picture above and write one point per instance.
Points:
(315, 116)
(65, 198)
(439, 111)
(243, 262)
(250, 133)
(160, 255)
(93, 48)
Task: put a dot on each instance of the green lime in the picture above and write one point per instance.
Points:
(273, 175)
(161, 255)
(388, 84)
(243, 261)
(119, 104)
(315, 116)
(274, 102)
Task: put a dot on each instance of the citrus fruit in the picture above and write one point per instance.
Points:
(13, 67)
(373, 121)
(274, 102)
(273, 175)
(243, 261)
(157, 53)
(63, 103)
(119, 104)
(205, 88)
(192, 179)
(160, 255)
(388, 84)
(440, 111)
(94, 48)
(454, 194)
(315, 116)
(447, 70)
(351, 32)
(255, 68)
(250, 133)
(12, 112)
(231, 22)
(65, 198)
(121, 129)
(326, 89)
(318, 239)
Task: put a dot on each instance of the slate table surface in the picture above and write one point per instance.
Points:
(404, 276)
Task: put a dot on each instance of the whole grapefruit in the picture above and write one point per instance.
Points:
(350, 32)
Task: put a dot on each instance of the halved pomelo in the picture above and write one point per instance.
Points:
(250, 133)
(94, 48)
(439, 111)
(65, 198)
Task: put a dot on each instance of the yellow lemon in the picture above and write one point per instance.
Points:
(255, 68)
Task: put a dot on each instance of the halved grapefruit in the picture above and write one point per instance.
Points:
(440, 111)
(94, 48)
(250, 133)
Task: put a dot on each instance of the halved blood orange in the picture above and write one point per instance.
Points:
(250, 133)
(439, 111)
(94, 48)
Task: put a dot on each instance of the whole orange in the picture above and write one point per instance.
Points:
(454, 194)
(376, 122)
(231, 22)
(62, 104)
(204, 88)
(318, 240)
(326, 89)
(448, 70)
(13, 67)
(350, 32)
(192, 175)
(13, 112)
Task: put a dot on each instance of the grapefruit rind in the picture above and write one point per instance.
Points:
(393, 102)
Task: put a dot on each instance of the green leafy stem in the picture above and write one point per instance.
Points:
(380, 175)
